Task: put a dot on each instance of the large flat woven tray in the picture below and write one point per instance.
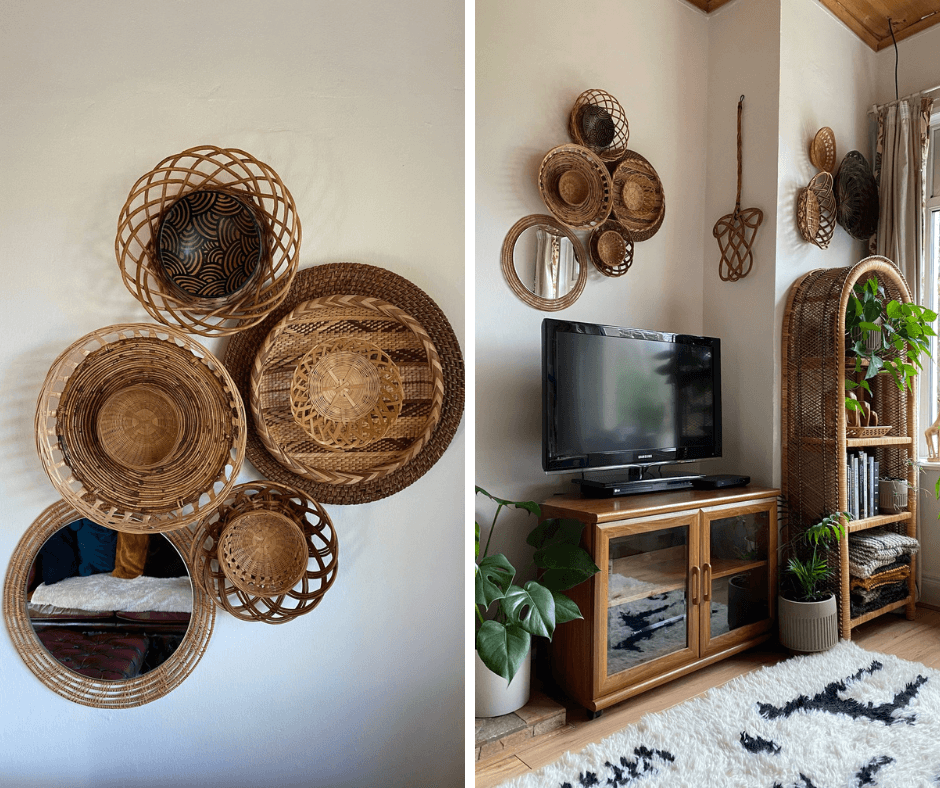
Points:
(353, 279)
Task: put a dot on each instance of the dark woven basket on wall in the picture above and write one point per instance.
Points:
(856, 197)
(598, 122)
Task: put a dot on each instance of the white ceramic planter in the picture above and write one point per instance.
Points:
(808, 626)
(892, 497)
(493, 696)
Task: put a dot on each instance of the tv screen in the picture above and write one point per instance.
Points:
(615, 397)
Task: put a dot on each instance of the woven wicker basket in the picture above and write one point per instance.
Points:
(272, 503)
(140, 428)
(575, 185)
(822, 150)
(598, 122)
(98, 693)
(856, 197)
(639, 202)
(611, 247)
(816, 210)
(256, 187)
(263, 553)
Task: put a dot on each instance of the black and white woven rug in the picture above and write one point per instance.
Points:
(844, 718)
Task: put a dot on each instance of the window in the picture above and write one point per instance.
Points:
(929, 383)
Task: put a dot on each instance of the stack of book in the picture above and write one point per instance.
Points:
(862, 484)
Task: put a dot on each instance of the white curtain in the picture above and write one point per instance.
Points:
(900, 170)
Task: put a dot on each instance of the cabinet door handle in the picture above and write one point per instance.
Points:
(694, 582)
(707, 582)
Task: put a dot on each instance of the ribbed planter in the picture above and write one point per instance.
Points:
(494, 697)
(808, 626)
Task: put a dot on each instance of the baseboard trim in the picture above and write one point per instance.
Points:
(930, 590)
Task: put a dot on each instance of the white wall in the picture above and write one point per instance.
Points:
(359, 107)
(533, 60)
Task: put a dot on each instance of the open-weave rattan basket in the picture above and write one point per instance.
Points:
(611, 247)
(140, 428)
(597, 121)
(225, 170)
(822, 150)
(268, 502)
(98, 693)
(262, 552)
(575, 185)
(352, 486)
(816, 210)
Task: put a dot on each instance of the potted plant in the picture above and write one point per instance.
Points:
(807, 610)
(508, 615)
(885, 338)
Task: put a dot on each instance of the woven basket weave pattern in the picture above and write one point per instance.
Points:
(597, 117)
(263, 553)
(594, 204)
(639, 203)
(257, 186)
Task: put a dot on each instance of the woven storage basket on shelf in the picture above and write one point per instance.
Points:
(335, 445)
(98, 693)
(575, 186)
(260, 191)
(271, 504)
(816, 211)
(344, 484)
(856, 197)
(611, 247)
(140, 428)
(639, 202)
(822, 150)
(597, 121)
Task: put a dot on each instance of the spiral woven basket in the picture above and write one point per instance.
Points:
(263, 553)
(816, 210)
(360, 436)
(140, 428)
(97, 693)
(270, 502)
(856, 197)
(575, 186)
(611, 247)
(822, 150)
(598, 122)
(277, 463)
(213, 312)
(639, 203)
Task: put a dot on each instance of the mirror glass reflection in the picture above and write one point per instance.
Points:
(545, 262)
(107, 604)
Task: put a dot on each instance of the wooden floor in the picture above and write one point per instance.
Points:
(917, 640)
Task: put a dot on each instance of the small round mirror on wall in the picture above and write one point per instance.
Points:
(104, 618)
(544, 263)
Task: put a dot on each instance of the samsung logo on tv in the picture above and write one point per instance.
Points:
(645, 457)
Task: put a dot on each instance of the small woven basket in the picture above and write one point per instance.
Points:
(598, 122)
(273, 504)
(575, 185)
(263, 553)
(611, 247)
(140, 428)
(816, 210)
(822, 150)
(151, 200)
(639, 203)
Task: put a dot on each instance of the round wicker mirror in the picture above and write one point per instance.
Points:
(81, 654)
(544, 263)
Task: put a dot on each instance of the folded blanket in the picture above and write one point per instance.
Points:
(876, 548)
(876, 599)
(106, 592)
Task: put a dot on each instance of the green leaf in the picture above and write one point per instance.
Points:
(565, 566)
(502, 647)
(893, 310)
(530, 506)
(556, 531)
(565, 609)
(493, 578)
(532, 608)
(477, 553)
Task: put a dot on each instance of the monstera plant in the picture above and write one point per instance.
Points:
(508, 615)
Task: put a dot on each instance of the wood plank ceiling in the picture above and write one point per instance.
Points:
(868, 19)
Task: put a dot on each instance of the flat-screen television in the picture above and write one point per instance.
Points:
(619, 397)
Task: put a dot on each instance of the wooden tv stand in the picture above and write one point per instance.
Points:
(686, 579)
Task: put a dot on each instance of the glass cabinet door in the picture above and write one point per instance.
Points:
(738, 590)
(648, 616)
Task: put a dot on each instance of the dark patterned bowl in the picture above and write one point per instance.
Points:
(210, 244)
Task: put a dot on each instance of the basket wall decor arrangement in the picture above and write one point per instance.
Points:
(209, 240)
(140, 428)
(99, 693)
(816, 210)
(341, 459)
(575, 186)
(507, 263)
(639, 201)
(598, 122)
(246, 553)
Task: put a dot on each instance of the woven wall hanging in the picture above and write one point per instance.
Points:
(209, 241)
(639, 200)
(98, 693)
(856, 197)
(816, 210)
(822, 150)
(266, 554)
(140, 428)
(736, 231)
(575, 186)
(611, 246)
(598, 122)
(348, 300)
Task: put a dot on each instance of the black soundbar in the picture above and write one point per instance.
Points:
(600, 488)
